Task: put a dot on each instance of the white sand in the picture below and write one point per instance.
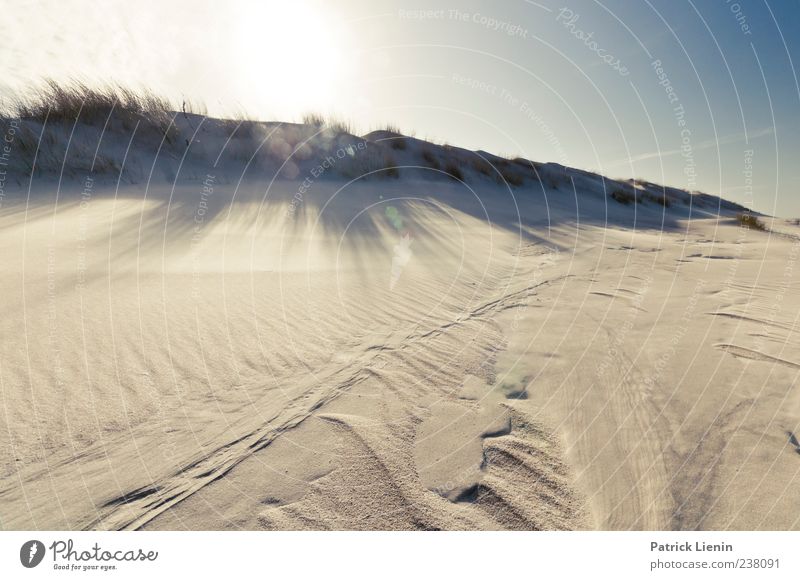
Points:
(262, 369)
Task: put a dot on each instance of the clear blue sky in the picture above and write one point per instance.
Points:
(572, 82)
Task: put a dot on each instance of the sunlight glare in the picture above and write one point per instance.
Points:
(290, 49)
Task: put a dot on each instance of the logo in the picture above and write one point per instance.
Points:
(31, 553)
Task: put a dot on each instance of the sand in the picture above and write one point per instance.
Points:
(476, 357)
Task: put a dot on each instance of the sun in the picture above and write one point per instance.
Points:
(288, 56)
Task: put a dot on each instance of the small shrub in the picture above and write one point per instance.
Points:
(522, 161)
(511, 177)
(747, 220)
(430, 159)
(398, 143)
(482, 166)
(454, 171)
(624, 197)
(662, 199)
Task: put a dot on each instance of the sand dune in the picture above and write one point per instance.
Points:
(418, 352)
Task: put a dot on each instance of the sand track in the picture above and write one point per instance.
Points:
(134, 509)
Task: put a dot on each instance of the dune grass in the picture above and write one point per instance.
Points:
(452, 169)
(399, 143)
(749, 221)
(430, 159)
(75, 101)
(482, 166)
(661, 199)
(321, 121)
(625, 197)
(394, 129)
(511, 177)
(375, 161)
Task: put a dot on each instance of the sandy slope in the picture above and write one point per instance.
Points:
(443, 364)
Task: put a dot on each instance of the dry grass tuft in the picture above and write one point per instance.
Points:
(430, 159)
(660, 199)
(314, 119)
(452, 169)
(391, 168)
(625, 197)
(321, 121)
(398, 140)
(399, 143)
(511, 177)
(482, 166)
(749, 221)
(75, 101)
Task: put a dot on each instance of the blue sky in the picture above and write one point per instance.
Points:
(570, 81)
